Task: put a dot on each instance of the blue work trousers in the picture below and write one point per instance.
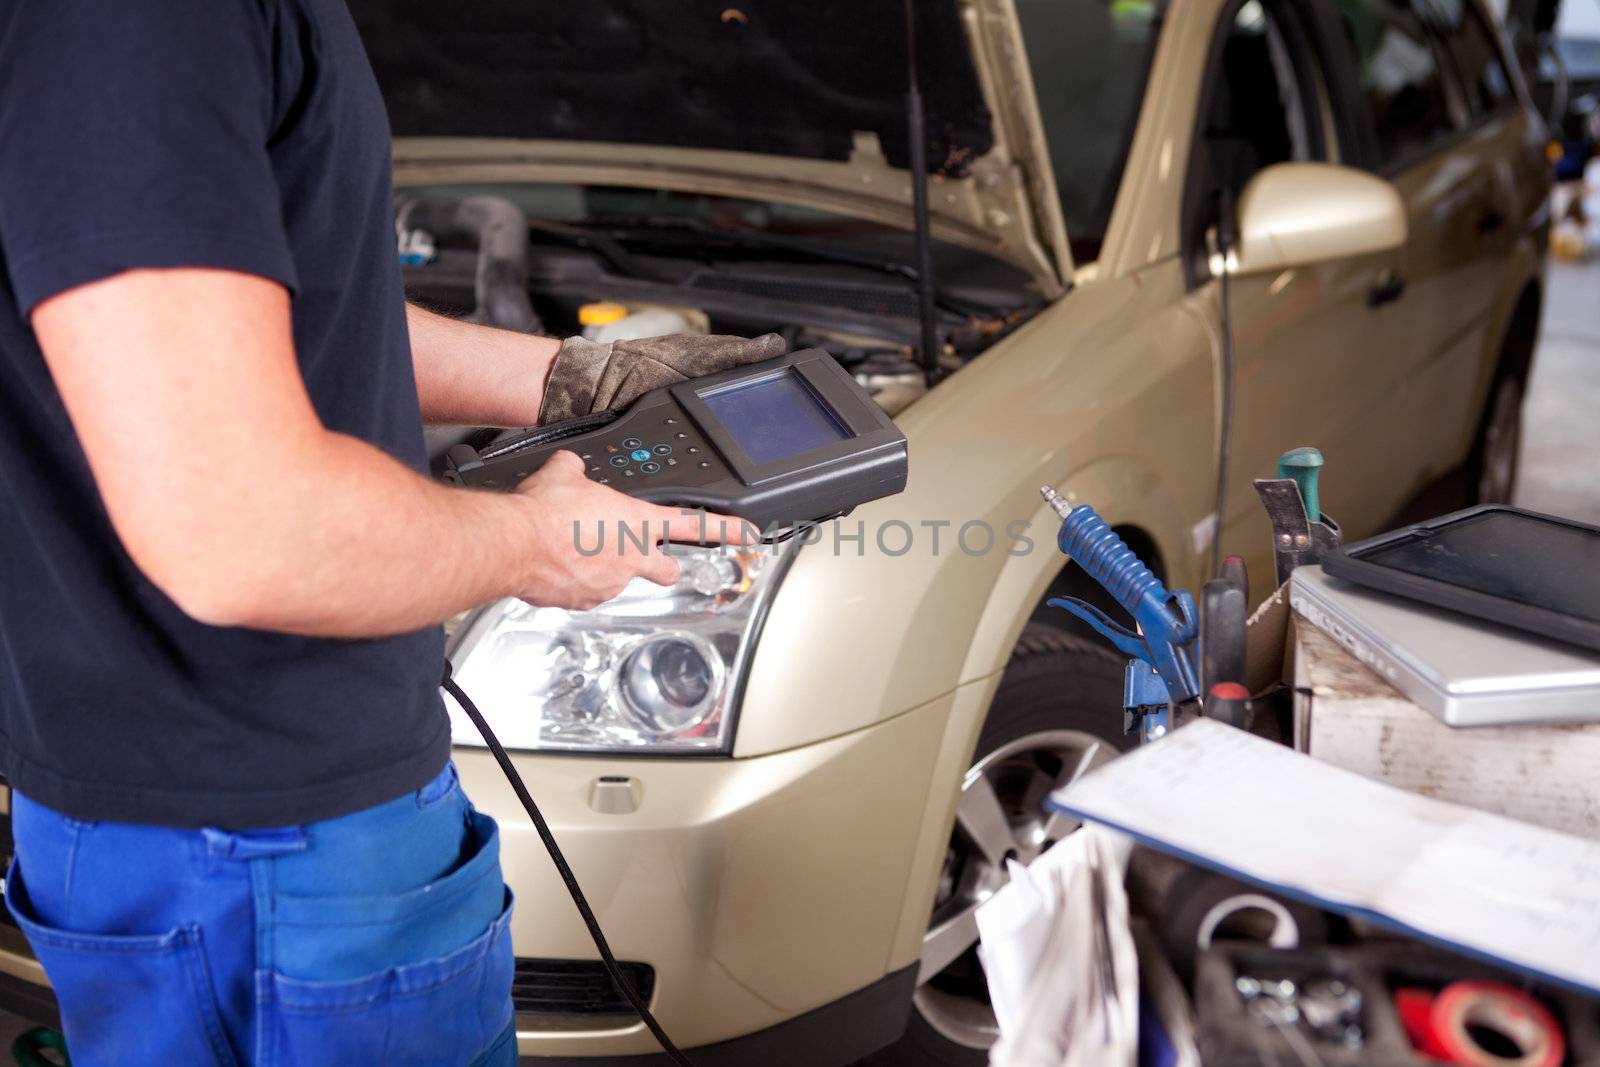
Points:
(373, 939)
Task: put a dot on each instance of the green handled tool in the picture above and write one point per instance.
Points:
(1301, 532)
(1303, 465)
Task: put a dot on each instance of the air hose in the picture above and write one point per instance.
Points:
(562, 868)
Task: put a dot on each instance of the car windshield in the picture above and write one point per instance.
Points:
(1090, 60)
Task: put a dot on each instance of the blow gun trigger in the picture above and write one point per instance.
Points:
(1187, 614)
(1127, 642)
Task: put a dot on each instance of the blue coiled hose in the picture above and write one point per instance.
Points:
(1166, 620)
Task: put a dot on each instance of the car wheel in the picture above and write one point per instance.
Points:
(1056, 714)
(1498, 450)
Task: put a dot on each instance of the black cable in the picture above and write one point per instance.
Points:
(549, 839)
(1225, 245)
(516, 440)
(917, 133)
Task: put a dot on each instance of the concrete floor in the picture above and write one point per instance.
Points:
(1561, 440)
(1561, 443)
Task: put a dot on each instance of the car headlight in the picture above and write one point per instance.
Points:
(655, 669)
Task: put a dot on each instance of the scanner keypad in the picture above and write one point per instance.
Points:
(648, 449)
(665, 445)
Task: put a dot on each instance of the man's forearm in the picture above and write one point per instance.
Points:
(303, 530)
(477, 375)
(342, 541)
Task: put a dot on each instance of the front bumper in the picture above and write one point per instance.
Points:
(758, 890)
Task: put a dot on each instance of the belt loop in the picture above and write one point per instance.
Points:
(439, 788)
(254, 844)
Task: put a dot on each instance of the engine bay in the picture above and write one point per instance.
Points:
(481, 257)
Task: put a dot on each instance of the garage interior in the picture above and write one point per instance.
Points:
(1165, 632)
(1563, 389)
(1562, 433)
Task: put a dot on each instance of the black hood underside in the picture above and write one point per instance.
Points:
(779, 77)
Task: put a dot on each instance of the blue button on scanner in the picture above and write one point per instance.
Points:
(640, 454)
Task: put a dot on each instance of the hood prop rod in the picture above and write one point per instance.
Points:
(916, 130)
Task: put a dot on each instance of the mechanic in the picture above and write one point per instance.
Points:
(222, 569)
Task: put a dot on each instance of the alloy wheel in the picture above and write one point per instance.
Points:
(1502, 444)
(1000, 816)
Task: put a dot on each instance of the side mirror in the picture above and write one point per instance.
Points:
(1292, 214)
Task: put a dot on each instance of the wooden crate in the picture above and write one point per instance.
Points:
(1348, 716)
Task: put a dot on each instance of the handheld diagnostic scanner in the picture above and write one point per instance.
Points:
(782, 442)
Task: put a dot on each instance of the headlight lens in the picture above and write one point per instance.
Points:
(653, 670)
(669, 683)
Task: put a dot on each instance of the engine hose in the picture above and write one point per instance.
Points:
(520, 788)
(500, 230)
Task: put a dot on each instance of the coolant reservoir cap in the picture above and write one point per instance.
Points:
(602, 314)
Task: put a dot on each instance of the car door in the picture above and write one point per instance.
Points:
(1450, 384)
(1444, 282)
(1311, 367)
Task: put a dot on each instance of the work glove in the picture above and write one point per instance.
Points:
(588, 377)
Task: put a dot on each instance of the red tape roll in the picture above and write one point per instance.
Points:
(1442, 1026)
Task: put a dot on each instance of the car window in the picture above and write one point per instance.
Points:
(1399, 72)
(1258, 112)
(1089, 60)
(1477, 60)
(1261, 107)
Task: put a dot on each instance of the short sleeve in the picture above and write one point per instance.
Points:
(135, 133)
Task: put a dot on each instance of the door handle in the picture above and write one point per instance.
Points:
(1391, 287)
(1490, 221)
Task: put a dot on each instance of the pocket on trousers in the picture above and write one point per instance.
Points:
(442, 1011)
(132, 1000)
(437, 985)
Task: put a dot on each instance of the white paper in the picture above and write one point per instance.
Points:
(1064, 987)
(1519, 893)
(1013, 927)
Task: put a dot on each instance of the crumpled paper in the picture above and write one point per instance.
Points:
(1060, 959)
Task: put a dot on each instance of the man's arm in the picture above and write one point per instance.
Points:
(298, 529)
(471, 375)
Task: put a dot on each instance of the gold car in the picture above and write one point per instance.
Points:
(786, 782)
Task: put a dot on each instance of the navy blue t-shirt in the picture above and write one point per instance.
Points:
(247, 135)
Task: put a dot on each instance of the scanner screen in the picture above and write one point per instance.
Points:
(774, 418)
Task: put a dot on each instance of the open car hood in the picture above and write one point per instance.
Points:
(782, 99)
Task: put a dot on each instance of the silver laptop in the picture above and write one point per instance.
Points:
(1465, 671)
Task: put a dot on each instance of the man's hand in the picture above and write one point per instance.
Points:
(584, 557)
(472, 375)
(588, 377)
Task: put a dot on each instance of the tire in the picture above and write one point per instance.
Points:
(1492, 467)
(1058, 691)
